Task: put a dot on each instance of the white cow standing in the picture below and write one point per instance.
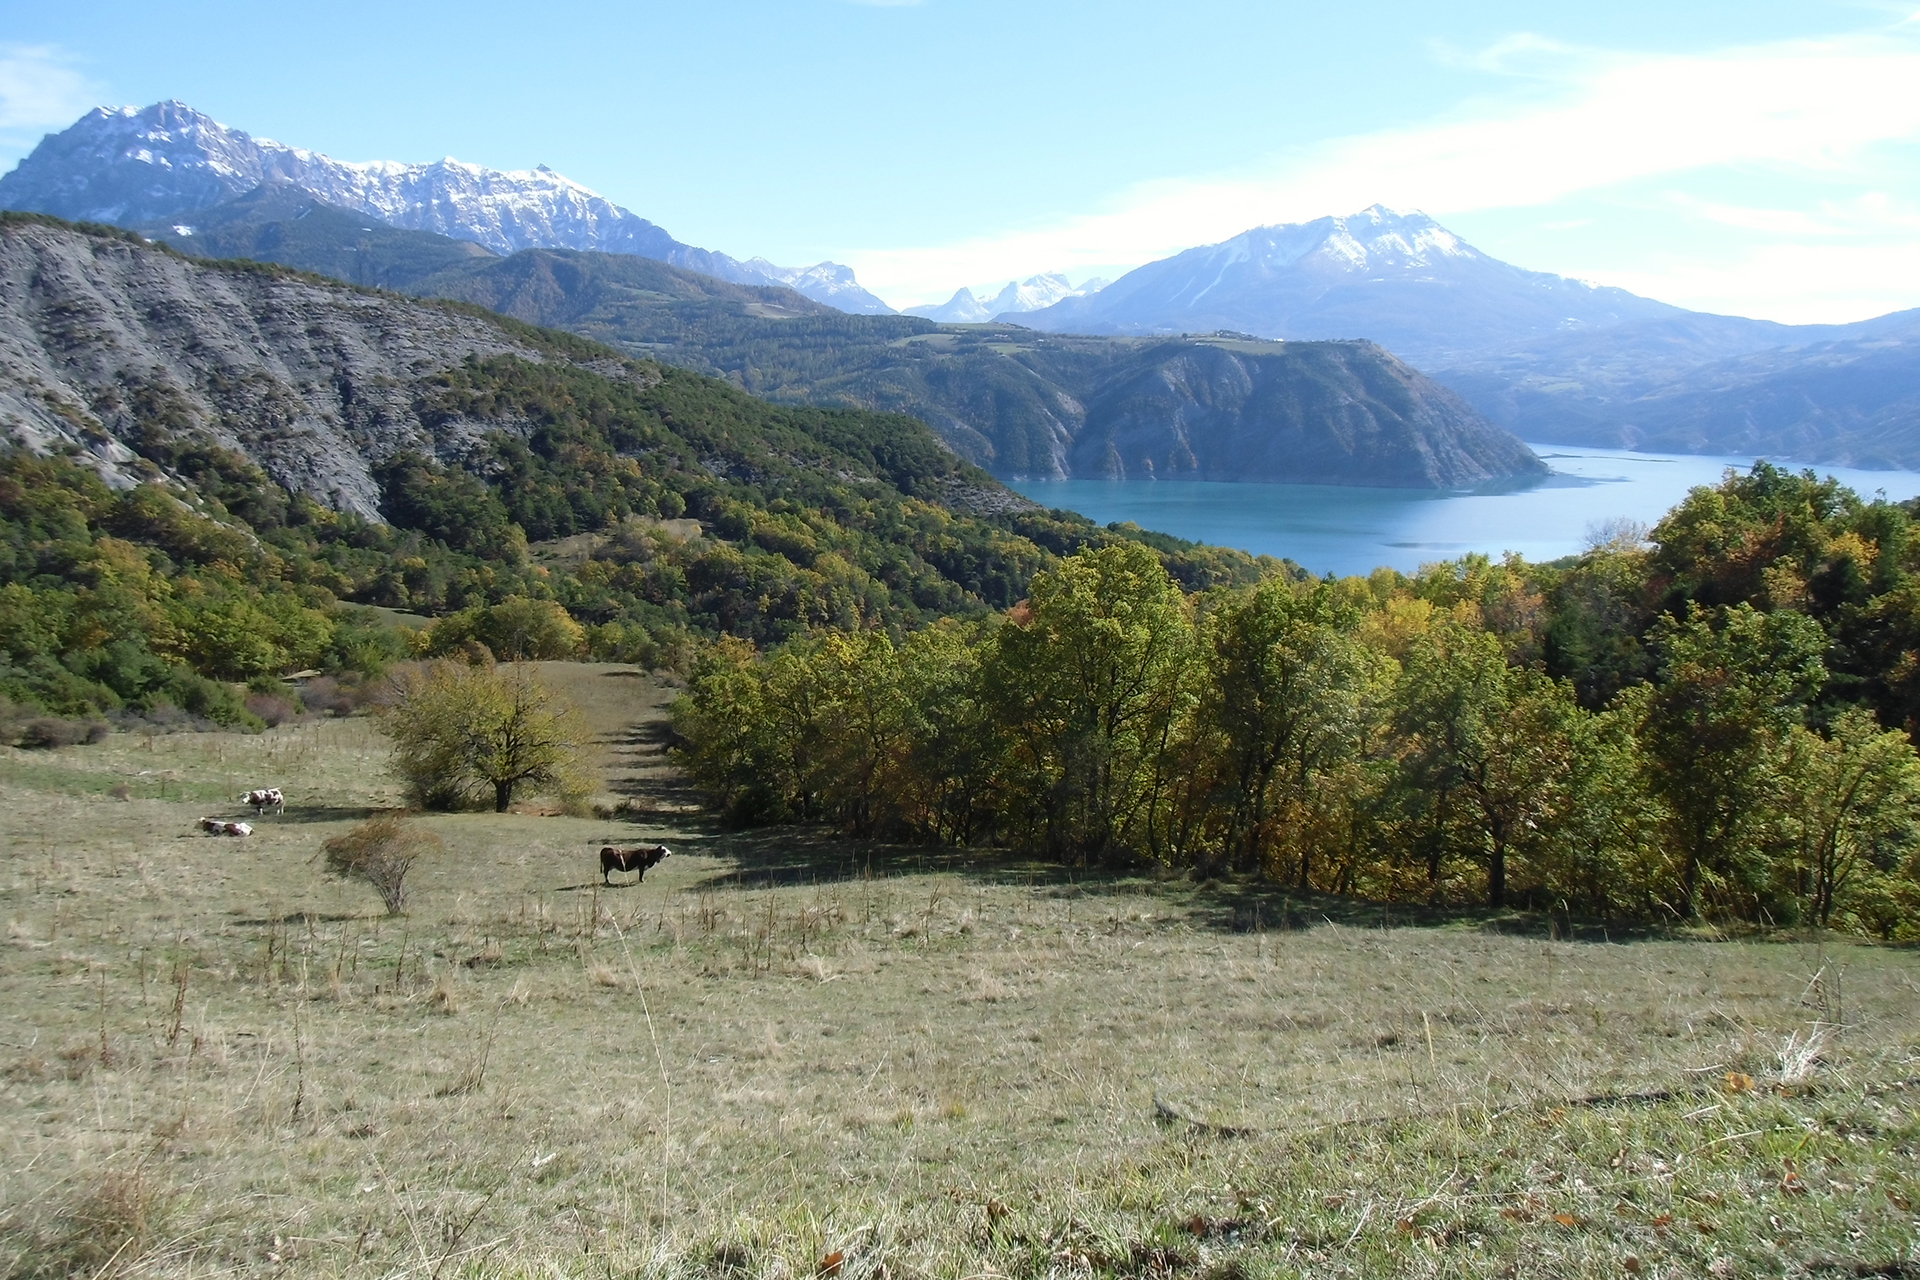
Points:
(265, 798)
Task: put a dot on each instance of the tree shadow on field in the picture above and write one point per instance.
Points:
(298, 917)
(641, 773)
(786, 857)
(780, 857)
(313, 813)
(1262, 906)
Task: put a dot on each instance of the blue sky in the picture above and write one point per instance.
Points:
(1761, 158)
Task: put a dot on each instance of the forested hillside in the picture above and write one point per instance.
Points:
(208, 463)
(1714, 722)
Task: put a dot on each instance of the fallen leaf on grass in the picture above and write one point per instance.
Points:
(1569, 1219)
(830, 1265)
(1739, 1082)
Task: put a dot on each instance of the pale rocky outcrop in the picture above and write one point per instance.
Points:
(316, 382)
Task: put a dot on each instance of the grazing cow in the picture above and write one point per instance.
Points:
(634, 860)
(265, 798)
(222, 827)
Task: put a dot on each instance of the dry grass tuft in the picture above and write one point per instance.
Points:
(816, 968)
(106, 1222)
(986, 988)
(445, 997)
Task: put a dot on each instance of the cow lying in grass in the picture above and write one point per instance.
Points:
(222, 827)
(634, 860)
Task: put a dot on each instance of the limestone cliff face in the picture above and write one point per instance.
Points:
(316, 382)
(1298, 413)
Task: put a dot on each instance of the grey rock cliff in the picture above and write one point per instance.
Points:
(316, 382)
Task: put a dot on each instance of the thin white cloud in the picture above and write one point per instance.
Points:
(1792, 282)
(1811, 110)
(40, 88)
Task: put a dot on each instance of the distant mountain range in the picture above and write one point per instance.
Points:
(1014, 401)
(1556, 360)
(1552, 359)
(1019, 297)
(169, 163)
(1402, 280)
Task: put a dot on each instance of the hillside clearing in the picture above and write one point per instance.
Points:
(786, 1054)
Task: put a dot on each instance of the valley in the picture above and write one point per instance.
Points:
(1149, 780)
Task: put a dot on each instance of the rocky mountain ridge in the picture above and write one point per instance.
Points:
(1553, 359)
(169, 163)
(314, 381)
(1010, 400)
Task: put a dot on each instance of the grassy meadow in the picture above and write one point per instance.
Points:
(789, 1055)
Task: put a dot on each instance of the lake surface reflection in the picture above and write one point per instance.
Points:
(1330, 528)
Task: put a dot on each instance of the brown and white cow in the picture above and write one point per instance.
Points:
(265, 798)
(222, 827)
(636, 860)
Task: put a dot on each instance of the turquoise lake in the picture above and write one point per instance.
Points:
(1335, 529)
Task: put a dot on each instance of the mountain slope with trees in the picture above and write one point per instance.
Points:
(1018, 403)
(208, 463)
(1715, 723)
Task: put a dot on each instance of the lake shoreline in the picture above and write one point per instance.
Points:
(1345, 529)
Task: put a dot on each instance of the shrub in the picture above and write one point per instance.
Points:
(209, 700)
(517, 629)
(52, 731)
(381, 851)
(335, 696)
(272, 708)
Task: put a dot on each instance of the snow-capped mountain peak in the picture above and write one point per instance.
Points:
(138, 165)
(1397, 277)
(1018, 297)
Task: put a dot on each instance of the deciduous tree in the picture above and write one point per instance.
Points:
(463, 733)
